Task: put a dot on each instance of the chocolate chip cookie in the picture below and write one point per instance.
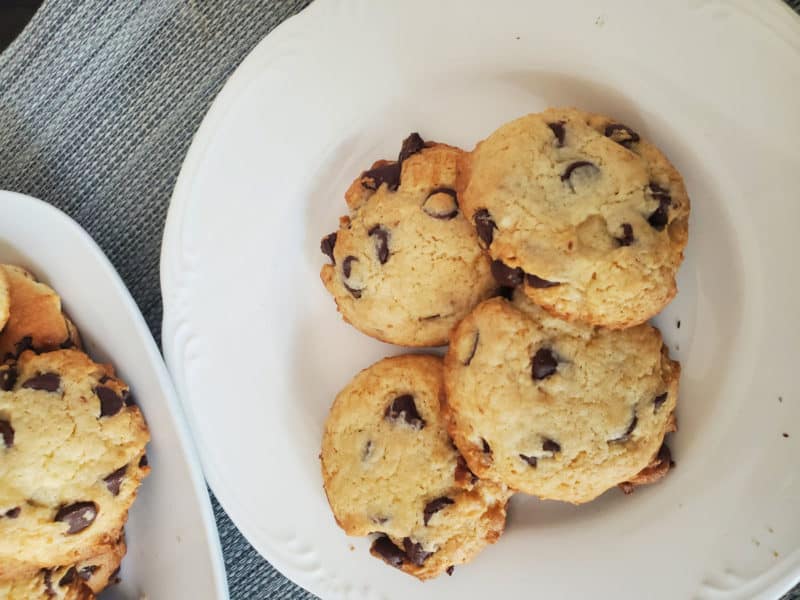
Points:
(390, 468)
(560, 410)
(581, 212)
(406, 265)
(71, 460)
(35, 320)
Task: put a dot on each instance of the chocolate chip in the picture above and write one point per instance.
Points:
(381, 243)
(415, 553)
(347, 265)
(114, 480)
(463, 474)
(46, 382)
(659, 218)
(110, 402)
(26, 343)
(551, 446)
(67, 343)
(403, 407)
(127, 397)
(449, 570)
(388, 173)
(385, 549)
(473, 350)
(627, 235)
(487, 449)
(627, 433)
(658, 401)
(435, 506)
(531, 460)
(8, 377)
(484, 225)
(622, 134)
(441, 208)
(558, 131)
(143, 461)
(113, 579)
(327, 244)
(48, 582)
(505, 275)
(545, 364)
(356, 293)
(78, 515)
(69, 577)
(537, 282)
(86, 572)
(577, 165)
(12, 513)
(411, 145)
(506, 292)
(8, 433)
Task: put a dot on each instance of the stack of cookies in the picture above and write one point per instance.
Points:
(72, 454)
(539, 258)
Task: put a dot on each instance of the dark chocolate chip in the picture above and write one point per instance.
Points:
(385, 548)
(143, 461)
(449, 570)
(7, 432)
(48, 582)
(415, 553)
(658, 401)
(506, 292)
(622, 134)
(572, 167)
(86, 572)
(627, 235)
(551, 446)
(356, 293)
(78, 515)
(537, 282)
(8, 377)
(25, 343)
(487, 449)
(114, 480)
(545, 363)
(381, 242)
(127, 397)
(69, 577)
(626, 435)
(558, 131)
(110, 402)
(46, 382)
(507, 276)
(441, 210)
(411, 145)
(484, 225)
(327, 244)
(347, 265)
(659, 218)
(435, 506)
(388, 173)
(474, 349)
(531, 460)
(403, 407)
(463, 474)
(13, 513)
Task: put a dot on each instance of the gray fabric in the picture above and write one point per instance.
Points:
(99, 101)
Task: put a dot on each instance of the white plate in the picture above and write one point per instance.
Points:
(173, 548)
(258, 351)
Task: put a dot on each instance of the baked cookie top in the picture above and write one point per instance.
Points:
(407, 265)
(560, 410)
(71, 459)
(586, 216)
(36, 320)
(389, 467)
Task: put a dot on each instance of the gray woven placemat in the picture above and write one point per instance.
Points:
(99, 101)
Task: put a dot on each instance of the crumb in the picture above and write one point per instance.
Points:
(517, 37)
(785, 434)
(678, 324)
(756, 542)
(600, 21)
(770, 529)
(775, 553)
(780, 398)
(677, 347)
(352, 548)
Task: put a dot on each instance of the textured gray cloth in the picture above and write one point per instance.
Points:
(99, 101)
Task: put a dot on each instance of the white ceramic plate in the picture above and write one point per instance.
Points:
(173, 548)
(258, 351)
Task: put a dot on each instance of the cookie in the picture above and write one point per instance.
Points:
(389, 466)
(5, 300)
(35, 320)
(560, 410)
(45, 585)
(577, 209)
(71, 460)
(406, 263)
